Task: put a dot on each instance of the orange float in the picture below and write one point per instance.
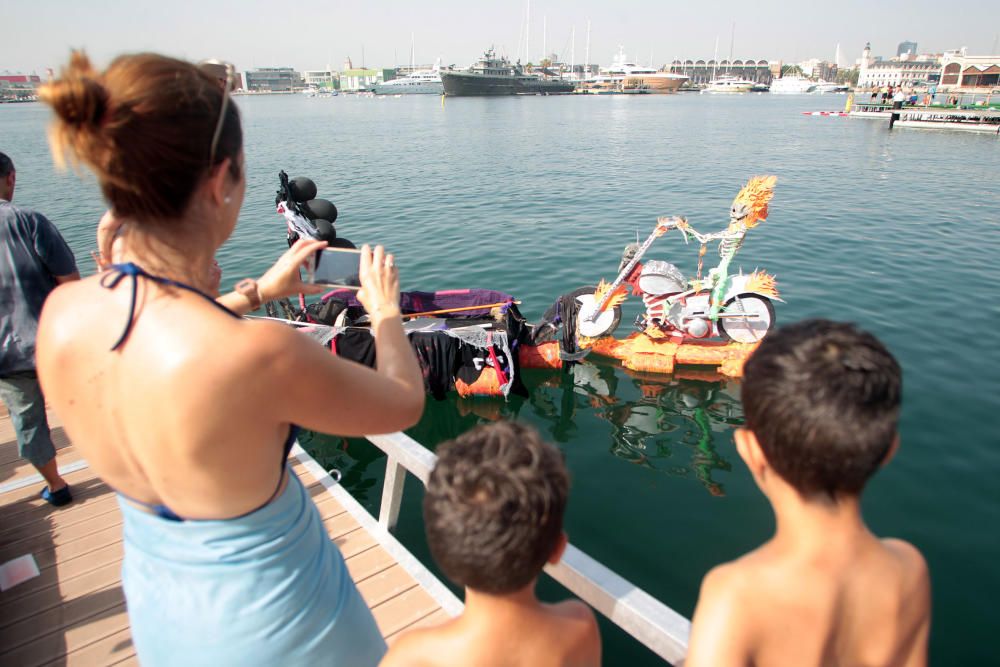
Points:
(641, 353)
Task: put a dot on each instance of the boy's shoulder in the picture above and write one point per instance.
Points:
(912, 565)
(729, 589)
(419, 646)
(572, 610)
(726, 608)
(574, 625)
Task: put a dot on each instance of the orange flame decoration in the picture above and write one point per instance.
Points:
(762, 283)
(756, 194)
(619, 296)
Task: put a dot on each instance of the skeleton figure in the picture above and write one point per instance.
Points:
(748, 210)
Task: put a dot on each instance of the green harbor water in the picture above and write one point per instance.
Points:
(898, 231)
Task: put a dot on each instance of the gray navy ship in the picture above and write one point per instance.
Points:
(497, 76)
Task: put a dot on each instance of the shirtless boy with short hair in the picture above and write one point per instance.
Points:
(493, 514)
(822, 402)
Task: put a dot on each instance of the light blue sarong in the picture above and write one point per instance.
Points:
(268, 588)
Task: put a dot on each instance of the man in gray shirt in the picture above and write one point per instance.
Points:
(34, 259)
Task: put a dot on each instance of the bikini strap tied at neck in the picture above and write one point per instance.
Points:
(117, 272)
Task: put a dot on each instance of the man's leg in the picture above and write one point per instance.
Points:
(23, 396)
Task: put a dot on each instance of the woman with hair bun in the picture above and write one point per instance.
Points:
(189, 411)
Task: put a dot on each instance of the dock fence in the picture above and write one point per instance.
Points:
(652, 623)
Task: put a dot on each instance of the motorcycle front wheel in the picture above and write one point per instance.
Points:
(758, 322)
(603, 324)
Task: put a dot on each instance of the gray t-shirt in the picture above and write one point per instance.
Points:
(32, 254)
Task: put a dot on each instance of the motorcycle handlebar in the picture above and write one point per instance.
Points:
(670, 222)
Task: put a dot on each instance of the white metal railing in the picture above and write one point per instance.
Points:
(654, 624)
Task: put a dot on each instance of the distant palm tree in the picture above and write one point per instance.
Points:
(791, 70)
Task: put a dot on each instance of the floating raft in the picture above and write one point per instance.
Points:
(639, 352)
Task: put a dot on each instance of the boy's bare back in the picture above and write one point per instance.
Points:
(862, 602)
(558, 635)
(821, 401)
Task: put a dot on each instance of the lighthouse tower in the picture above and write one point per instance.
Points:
(866, 59)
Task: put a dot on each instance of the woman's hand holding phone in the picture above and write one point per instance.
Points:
(284, 278)
(379, 293)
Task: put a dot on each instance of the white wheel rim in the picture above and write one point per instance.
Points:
(750, 329)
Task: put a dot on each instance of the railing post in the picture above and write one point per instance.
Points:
(392, 493)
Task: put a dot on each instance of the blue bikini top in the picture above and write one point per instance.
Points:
(110, 280)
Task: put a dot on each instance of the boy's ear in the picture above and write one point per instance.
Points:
(750, 451)
(893, 448)
(557, 553)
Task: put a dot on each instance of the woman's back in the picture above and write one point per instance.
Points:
(186, 409)
(181, 414)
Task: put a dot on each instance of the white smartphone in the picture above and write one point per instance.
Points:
(335, 266)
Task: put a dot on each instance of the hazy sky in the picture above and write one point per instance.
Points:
(308, 34)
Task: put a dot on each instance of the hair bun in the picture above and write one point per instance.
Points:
(78, 98)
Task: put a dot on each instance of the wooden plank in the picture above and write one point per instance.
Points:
(61, 537)
(385, 585)
(54, 646)
(114, 649)
(33, 508)
(354, 542)
(20, 468)
(434, 618)
(72, 614)
(340, 525)
(396, 613)
(105, 576)
(30, 493)
(42, 521)
(49, 555)
(368, 562)
(65, 571)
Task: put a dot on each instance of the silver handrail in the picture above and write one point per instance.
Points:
(652, 623)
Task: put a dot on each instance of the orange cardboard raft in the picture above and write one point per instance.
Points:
(639, 352)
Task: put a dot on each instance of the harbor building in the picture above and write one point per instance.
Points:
(354, 79)
(323, 78)
(273, 80)
(18, 87)
(814, 68)
(969, 74)
(903, 71)
(704, 71)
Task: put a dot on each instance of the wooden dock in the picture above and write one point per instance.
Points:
(73, 613)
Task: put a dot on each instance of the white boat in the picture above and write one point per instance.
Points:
(630, 77)
(314, 91)
(426, 82)
(792, 85)
(830, 87)
(729, 84)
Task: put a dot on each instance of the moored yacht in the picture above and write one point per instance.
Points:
(497, 76)
(792, 85)
(830, 87)
(630, 77)
(729, 84)
(427, 82)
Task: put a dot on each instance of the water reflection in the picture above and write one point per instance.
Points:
(671, 424)
(674, 425)
(661, 422)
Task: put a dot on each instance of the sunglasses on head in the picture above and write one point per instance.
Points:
(227, 85)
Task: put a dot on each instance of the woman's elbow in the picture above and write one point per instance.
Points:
(411, 407)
